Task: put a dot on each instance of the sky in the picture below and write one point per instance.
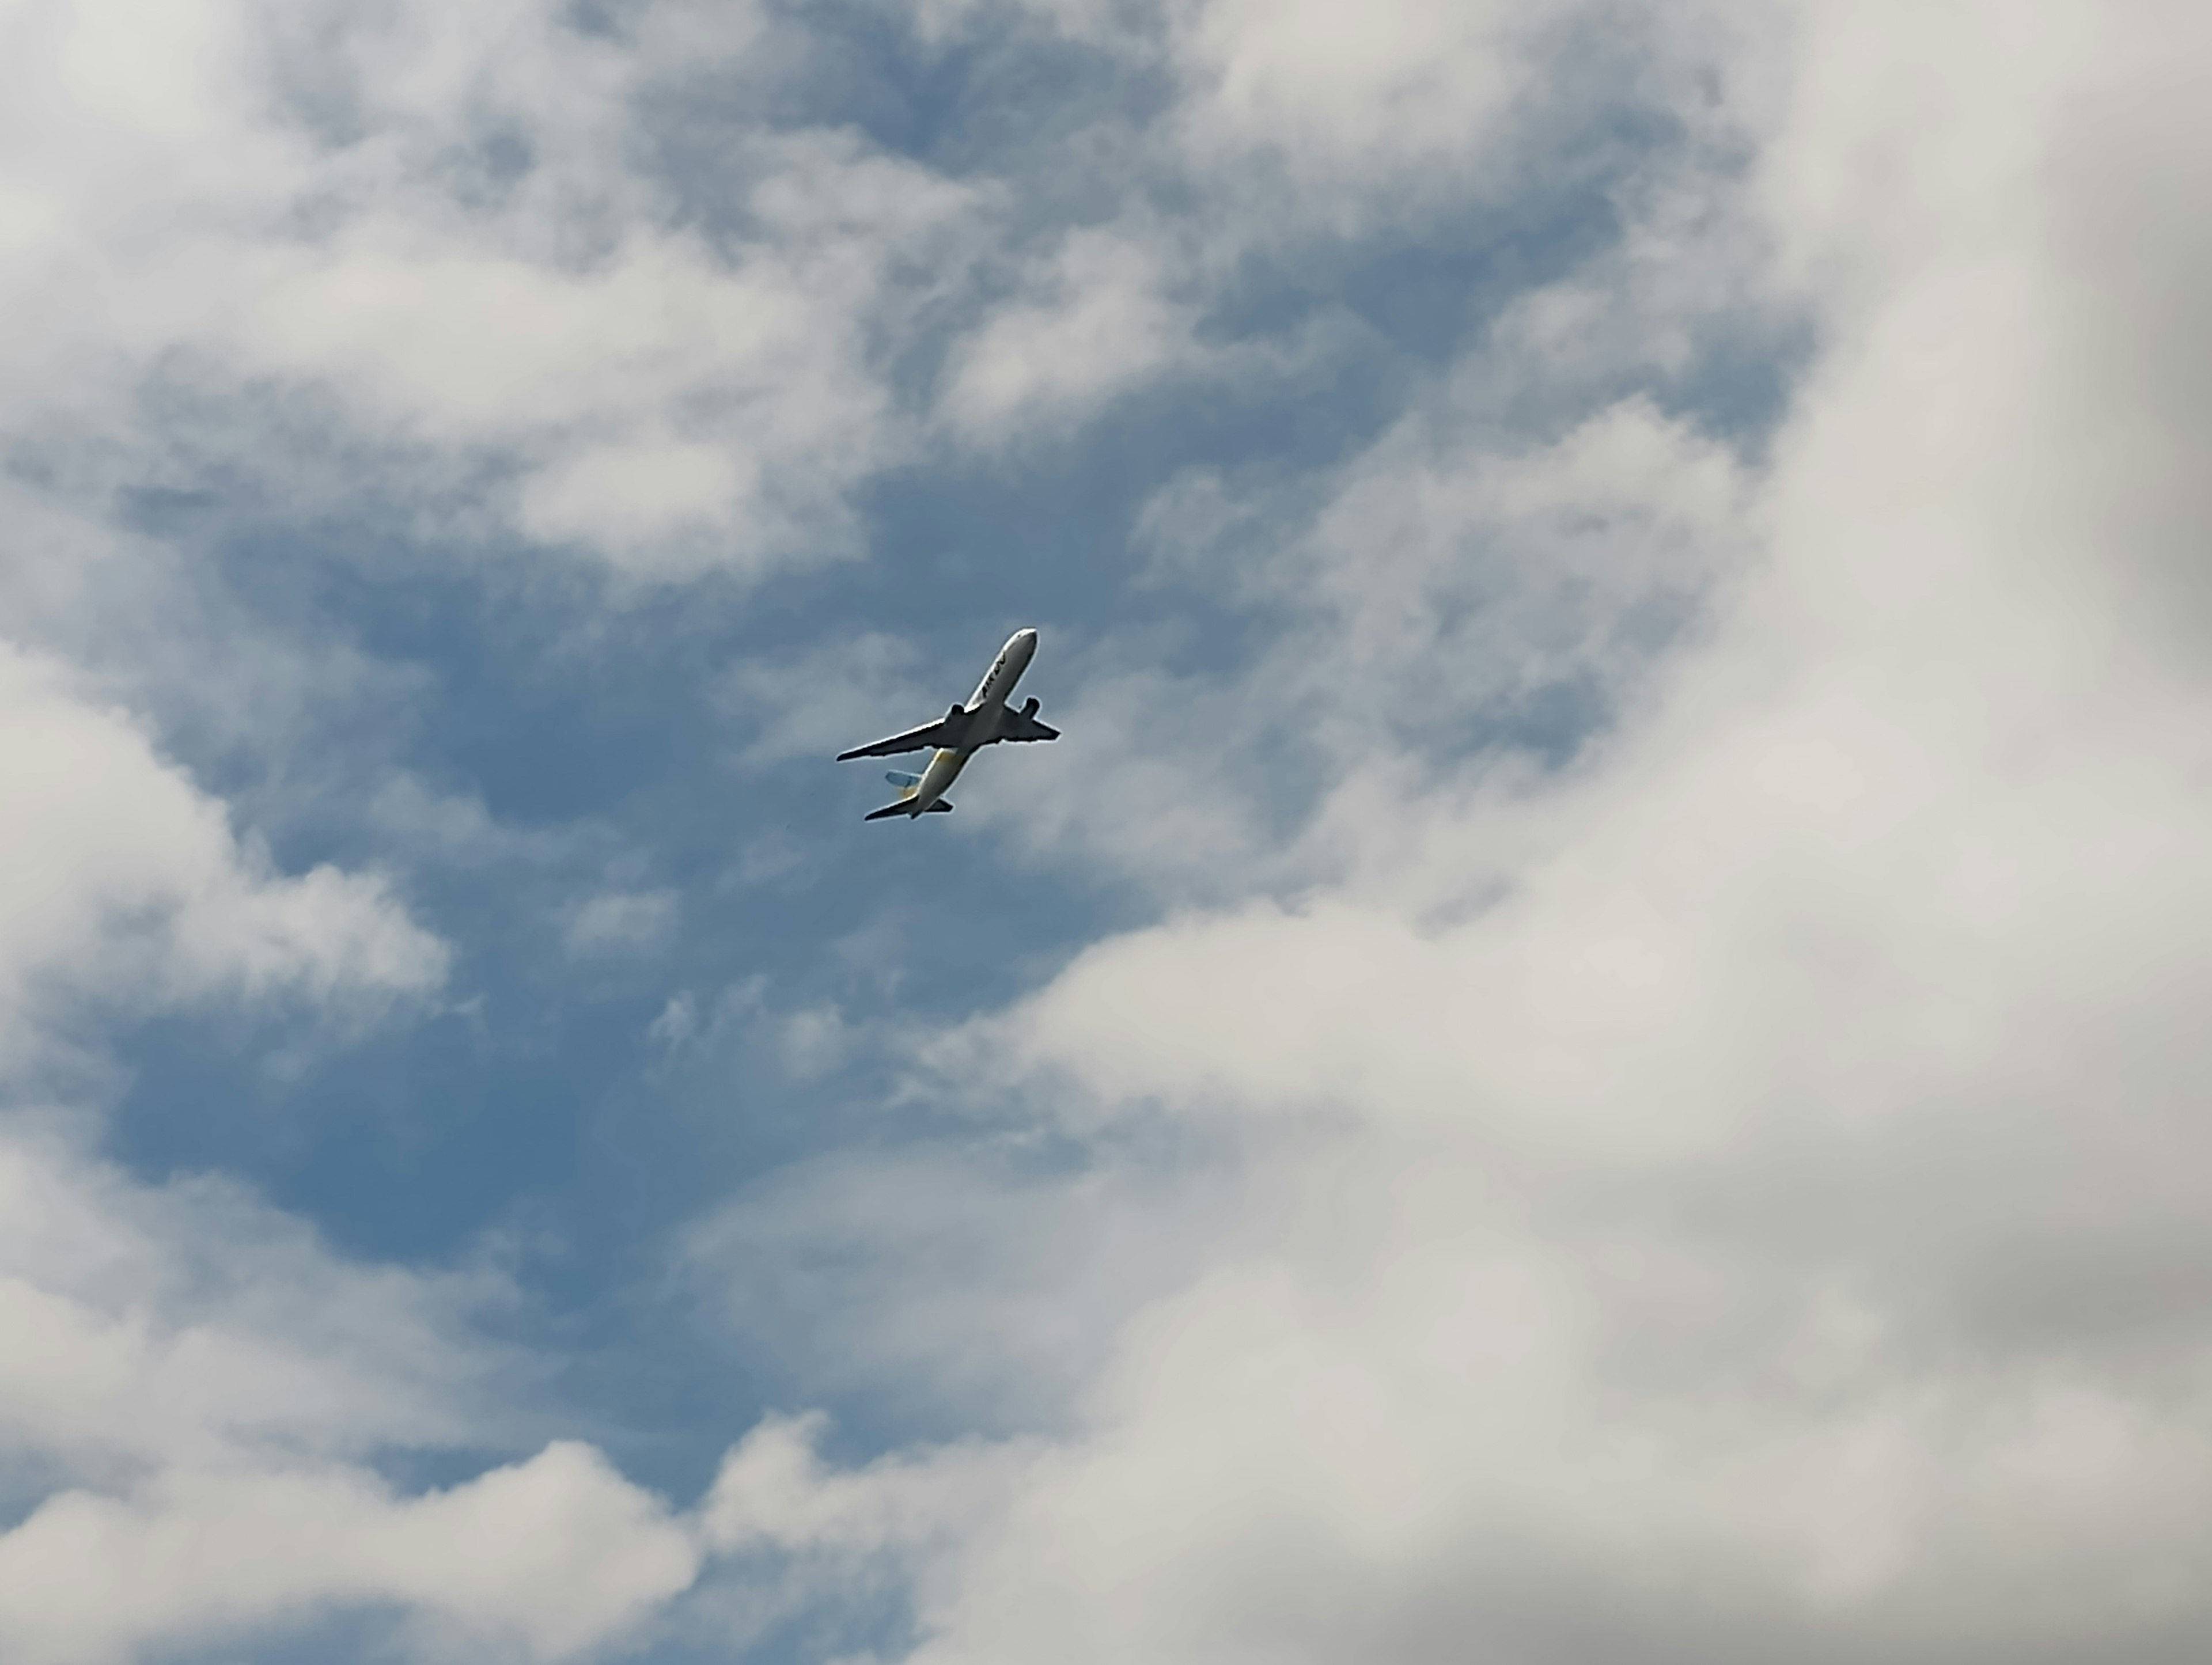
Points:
(1589, 1051)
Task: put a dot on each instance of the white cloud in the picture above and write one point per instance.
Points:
(126, 883)
(621, 922)
(1099, 320)
(815, 1040)
(434, 222)
(186, 1322)
(1155, 792)
(194, 1385)
(1742, 1197)
(678, 1022)
(987, 1293)
(775, 1491)
(850, 691)
(1454, 577)
(545, 1559)
(1739, 1198)
(631, 495)
(1417, 81)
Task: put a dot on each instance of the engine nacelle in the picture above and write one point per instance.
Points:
(1030, 707)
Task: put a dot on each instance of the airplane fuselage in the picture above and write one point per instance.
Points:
(986, 708)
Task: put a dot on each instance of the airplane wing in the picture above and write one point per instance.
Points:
(947, 730)
(1028, 728)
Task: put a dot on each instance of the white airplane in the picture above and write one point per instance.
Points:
(960, 733)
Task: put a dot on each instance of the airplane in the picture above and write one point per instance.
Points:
(959, 734)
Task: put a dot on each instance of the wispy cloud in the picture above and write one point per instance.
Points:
(621, 923)
(1678, 1187)
(1647, 776)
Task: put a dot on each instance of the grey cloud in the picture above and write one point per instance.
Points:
(984, 1285)
(130, 887)
(1456, 594)
(671, 405)
(1737, 1197)
(1734, 1197)
(199, 1386)
(828, 699)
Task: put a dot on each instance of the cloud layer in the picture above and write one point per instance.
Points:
(1732, 1198)
(1645, 1099)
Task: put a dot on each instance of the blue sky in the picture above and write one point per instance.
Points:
(600, 734)
(1604, 877)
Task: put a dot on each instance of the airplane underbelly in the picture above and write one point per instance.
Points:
(944, 767)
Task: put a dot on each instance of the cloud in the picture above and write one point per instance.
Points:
(434, 226)
(621, 922)
(1264, 153)
(196, 1388)
(821, 702)
(125, 885)
(201, 1391)
(1737, 1196)
(773, 1491)
(1457, 590)
(477, 250)
(184, 1322)
(547, 1558)
(1100, 321)
(986, 1287)
(1716, 1174)
(1418, 82)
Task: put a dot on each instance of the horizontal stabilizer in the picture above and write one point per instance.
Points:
(905, 807)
